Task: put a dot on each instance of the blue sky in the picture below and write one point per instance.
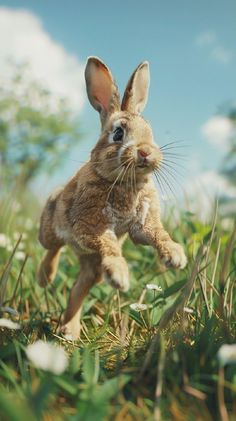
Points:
(191, 49)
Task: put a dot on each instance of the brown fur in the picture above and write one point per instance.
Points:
(111, 196)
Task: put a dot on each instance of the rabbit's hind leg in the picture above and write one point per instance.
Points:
(48, 266)
(50, 241)
(90, 274)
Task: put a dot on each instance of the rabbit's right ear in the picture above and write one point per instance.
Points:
(101, 88)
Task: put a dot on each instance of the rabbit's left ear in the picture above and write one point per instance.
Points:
(136, 92)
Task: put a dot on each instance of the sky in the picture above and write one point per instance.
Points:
(191, 50)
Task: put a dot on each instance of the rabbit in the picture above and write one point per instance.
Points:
(111, 196)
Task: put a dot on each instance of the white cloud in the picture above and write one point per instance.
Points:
(216, 50)
(23, 38)
(206, 38)
(204, 189)
(221, 54)
(218, 130)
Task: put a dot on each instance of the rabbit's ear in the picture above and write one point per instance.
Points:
(101, 88)
(136, 92)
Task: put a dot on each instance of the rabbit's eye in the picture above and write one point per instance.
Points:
(118, 134)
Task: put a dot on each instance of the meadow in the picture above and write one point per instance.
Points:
(149, 354)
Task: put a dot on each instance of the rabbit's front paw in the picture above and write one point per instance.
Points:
(116, 272)
(172, 255)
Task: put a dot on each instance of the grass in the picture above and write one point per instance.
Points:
(157, 364)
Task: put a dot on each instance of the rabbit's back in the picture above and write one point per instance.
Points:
(76, 209)
(47, 236)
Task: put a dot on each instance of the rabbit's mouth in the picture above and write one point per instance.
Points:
(147, 164)
(144, 164)
(144, 167)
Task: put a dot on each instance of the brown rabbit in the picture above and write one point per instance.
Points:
(112, 195)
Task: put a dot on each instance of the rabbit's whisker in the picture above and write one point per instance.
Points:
(158, 177)
(171, 168)
(169, 186)
(75, 160)
(165, 148)
(126, 168)
(126, 179)
(173, 153)
(123, 168)
(168, 173)
(131, 180)
(94, 162)
(135, 184)
(171, 161)
(114, 183)
(171, 178)
(173, 143)
(123, 164)
(129, 177)
(160, 183)
(177, 156)
(105, 159)
(123, 175)
(167, 182)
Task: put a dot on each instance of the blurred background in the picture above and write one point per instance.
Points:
(47, 130)
(47, 127)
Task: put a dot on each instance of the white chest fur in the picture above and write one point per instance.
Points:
(117, 217)
(144, 208)
(119, 221)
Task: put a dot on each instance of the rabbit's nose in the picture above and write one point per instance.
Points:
(143, 154)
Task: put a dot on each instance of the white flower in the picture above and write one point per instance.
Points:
(29, 224)
(188, 310)
(9, 247)
(227, 354)
(138, 307)
(17, 235)
(4, 240)
(21, 246)
(9, 324)
(153, 287)
(47, 356)
(19, 255)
